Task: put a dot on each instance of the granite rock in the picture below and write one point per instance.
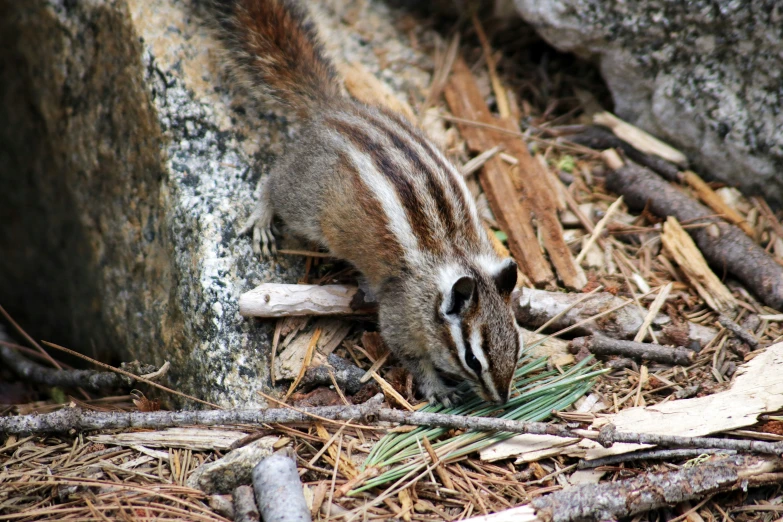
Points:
(705, 76)
(128, 162)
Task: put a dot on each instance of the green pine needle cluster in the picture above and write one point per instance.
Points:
(538, 392)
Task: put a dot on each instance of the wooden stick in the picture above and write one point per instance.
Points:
(281, 300)
(652, 313)
(640, 139)
(601, 345)
(722, 244)
(599, 228)
(497, 86)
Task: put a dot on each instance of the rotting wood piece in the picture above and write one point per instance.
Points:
(465, 100)
(537, 191)
(725, 246)
(612, 500)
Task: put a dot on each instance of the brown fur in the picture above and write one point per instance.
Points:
(321, 195)
(276, 49)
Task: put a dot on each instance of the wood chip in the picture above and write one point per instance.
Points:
(640, 139)
(683, 251)
(196, 439)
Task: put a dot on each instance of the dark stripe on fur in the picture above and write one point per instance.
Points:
(393, 252)
(419, 223)
(445, 208)
(461, 211)
(490, 360)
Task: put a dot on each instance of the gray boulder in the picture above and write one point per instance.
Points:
(128, 162)
(705, 76)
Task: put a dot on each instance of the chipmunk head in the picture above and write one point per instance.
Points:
(458, 328)
(477, 327)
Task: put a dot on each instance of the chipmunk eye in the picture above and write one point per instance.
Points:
(470, 359)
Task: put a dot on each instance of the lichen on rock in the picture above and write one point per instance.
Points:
(129, 161)
(705, 76)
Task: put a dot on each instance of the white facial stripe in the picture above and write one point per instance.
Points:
(478, 352)
(447, 276)
(491, 264)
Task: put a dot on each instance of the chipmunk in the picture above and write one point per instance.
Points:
(373, 189)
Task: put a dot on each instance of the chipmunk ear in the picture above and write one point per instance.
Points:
(460, 296)
(506, 277)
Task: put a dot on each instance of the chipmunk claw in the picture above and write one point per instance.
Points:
(260, 224)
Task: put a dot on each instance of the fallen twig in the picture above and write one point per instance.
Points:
(370, 412)
(609, 436)
(347, 375)
(87, 379)
(654, 454)
(598, 344)
(613, 500)
(639, 139)
(741, 333)
(725, 246)
(279, 490)
(139, 378)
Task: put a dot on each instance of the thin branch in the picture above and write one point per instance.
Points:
(744, 335)
(601, 345)
(88, 379)
(128, 374)
(655, 454)
(371, 412)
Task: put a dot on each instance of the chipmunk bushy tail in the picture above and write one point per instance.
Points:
(276, 51)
